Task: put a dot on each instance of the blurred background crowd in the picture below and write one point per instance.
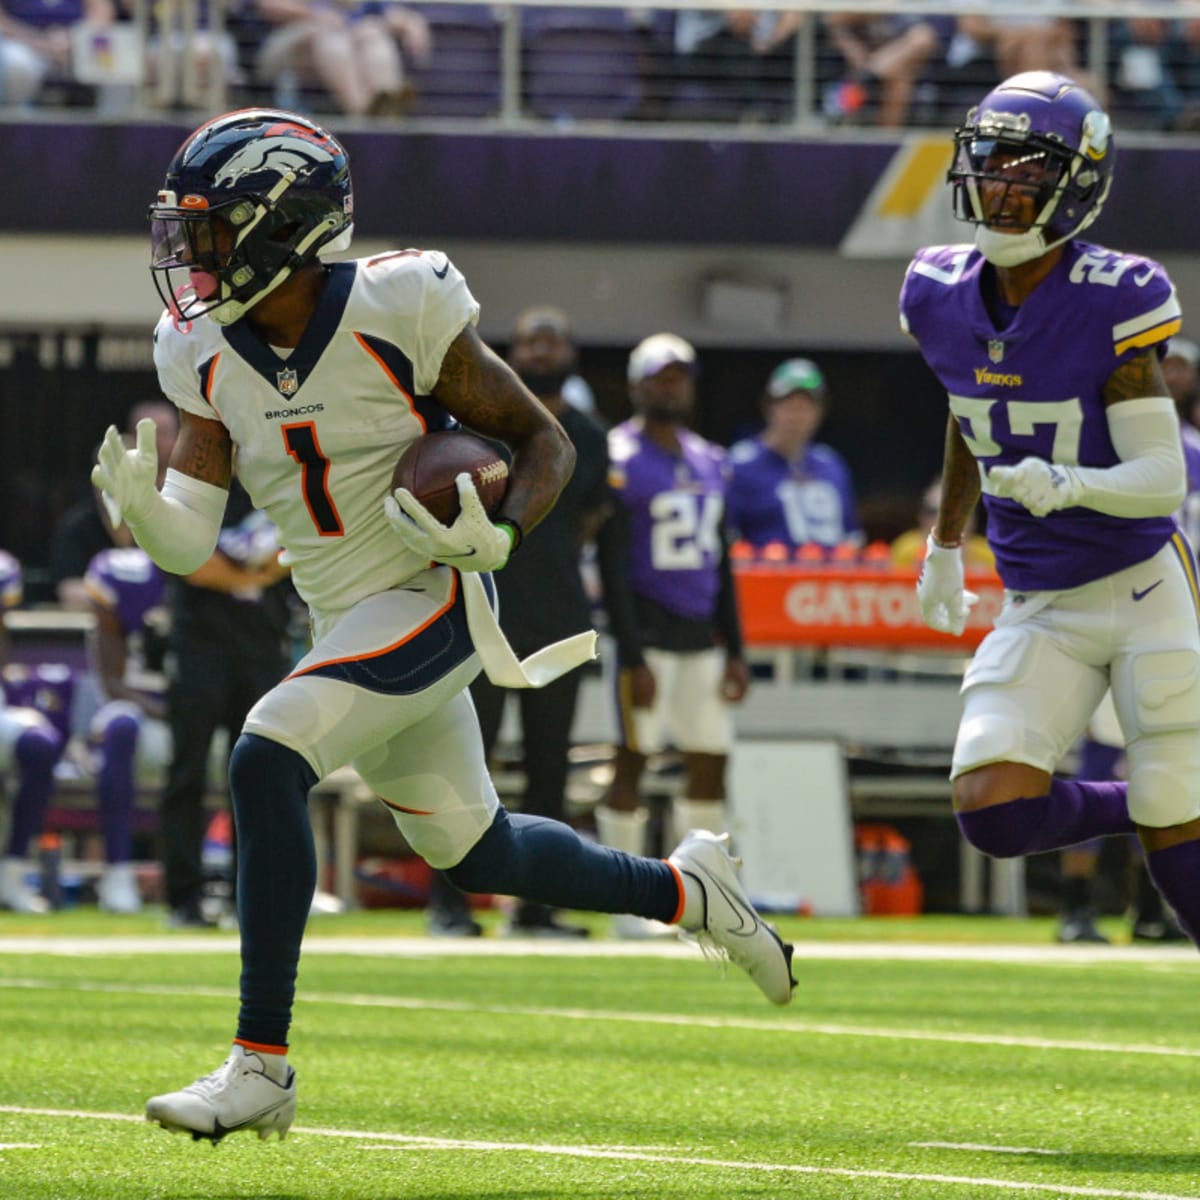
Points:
(390, 60)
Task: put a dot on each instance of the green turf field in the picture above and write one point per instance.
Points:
(936, 1059)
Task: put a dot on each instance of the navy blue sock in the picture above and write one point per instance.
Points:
(547, 862)
(1071, 812)
(277, 874)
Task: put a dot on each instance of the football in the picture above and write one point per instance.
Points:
(429, 466)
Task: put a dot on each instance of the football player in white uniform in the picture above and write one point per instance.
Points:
(319, 375)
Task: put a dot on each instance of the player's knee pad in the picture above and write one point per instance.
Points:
(38, 748)
(988, 736)
(259, 767)
(119, 733)
(1164, 779)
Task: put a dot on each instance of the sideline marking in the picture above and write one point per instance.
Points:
(686, 1021)
(418, 947)
(414, 1143)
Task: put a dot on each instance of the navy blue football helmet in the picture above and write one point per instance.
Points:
(1037, 130)
(249, 199)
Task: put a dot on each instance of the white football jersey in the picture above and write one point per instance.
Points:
(318, 429)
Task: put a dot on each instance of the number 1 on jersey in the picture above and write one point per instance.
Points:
(302, 445)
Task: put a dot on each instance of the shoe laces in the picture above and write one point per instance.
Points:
(216, 1081)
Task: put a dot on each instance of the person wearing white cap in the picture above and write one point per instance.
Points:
(786, 488)
(679, 647)
(1181, 370)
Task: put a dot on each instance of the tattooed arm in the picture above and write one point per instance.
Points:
(484, 393)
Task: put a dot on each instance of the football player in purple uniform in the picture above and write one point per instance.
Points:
(318, 376)
(1048, 347)
(127, 592)
(680, 662)
(35, 710)
(786, 488)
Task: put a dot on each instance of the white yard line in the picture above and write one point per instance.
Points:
(779, 1025)
(420, 947)
(412, 1143)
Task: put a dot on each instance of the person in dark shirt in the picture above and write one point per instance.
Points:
(227, 647)
(542, 599)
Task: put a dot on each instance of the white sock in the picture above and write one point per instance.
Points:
(622, 830)
(687, 815)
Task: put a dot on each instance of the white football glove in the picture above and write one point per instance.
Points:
(1040, 486)
(128, 479)
(944, 600)
(472, 543)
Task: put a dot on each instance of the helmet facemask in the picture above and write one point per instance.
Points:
(1001, 164)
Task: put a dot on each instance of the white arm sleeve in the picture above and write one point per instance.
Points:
(180, 526)
(1150, 480)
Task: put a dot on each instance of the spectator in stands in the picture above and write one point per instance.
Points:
(785, 487)
(1181, 370)
(542, 599)
(35, 42)
(228, 645)
(357, 53)
(35, 706)
(735, 64)
(1027, 43)
(1143, 53)
(85, 528)
(883, 56)
(680, 663)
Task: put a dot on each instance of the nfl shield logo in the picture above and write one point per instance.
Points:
(287, 381)
(995, 352)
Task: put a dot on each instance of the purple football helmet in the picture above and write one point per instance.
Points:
(249, 198)
(1043, 134)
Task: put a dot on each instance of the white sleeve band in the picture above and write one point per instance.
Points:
(1150, 480)
(179, 530)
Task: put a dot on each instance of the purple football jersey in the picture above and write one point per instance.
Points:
(1034, 387)
(47, 687)
(810, 499)
(675, 505)
(12, 582)
(127, 584)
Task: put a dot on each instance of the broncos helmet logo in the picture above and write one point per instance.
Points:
(282, 153)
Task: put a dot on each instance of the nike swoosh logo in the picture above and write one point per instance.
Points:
(442, 273)
(1145, 591)
(1142, 280)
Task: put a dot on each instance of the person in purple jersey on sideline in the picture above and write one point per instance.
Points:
(1048, 347)
(786, 487)
(680, 652)
(127, 593)
(35, 705)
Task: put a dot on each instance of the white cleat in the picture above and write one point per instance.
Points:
(117, 891)
(238, 1095)
(15, 892)
(730, 926)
